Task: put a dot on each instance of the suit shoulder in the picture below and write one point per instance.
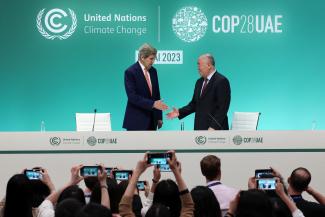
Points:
(133, 68)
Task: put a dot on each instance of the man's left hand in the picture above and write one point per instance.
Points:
(159, 124)
(210, 128)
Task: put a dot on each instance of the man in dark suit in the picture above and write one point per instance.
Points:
(210, 100)
(144, 107)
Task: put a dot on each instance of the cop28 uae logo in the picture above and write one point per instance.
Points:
(190, 24)
(54, 29)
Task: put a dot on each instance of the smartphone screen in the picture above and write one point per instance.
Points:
(158, 158)
(266, 184)
(164, 168)
(141, 185)
(33, 174)
(263, 173)
(121, 175)
(89, 171)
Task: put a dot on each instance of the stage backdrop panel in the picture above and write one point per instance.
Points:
(62, 57)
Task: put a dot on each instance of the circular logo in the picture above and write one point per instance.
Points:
(92, 141)
(190, 24)
(200, 140)
(237, 140)
(55, 141)
(53, 23)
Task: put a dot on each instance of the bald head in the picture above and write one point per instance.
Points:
(300, 179)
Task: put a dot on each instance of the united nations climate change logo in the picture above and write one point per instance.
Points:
(190, 24)
(237, 140)
(55, 141)
(53, 22)
(200, 140)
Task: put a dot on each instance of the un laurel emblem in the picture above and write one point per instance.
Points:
(200, 140)
(54, 29)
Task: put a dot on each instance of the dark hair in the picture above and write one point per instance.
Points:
(90, 182)
(73, 191)
(112, 192)
(167, 193)
(210, 167)
(18, 197)
(68, 208)
(40, 192)
(94, 210)
(158, 210)
(136, 204)
(280, 208)
(254, 203)
(206, 203)
(300, 179)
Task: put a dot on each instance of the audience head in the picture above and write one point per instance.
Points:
(254, 203)
(300, 179)
(94, 210)
(73, 191)
(167, 193)
(90, 182)
(40, 192)
(158, 210)
(68, 208)
(18, 202)
(206, 203)
(210, 167)
(112, 192)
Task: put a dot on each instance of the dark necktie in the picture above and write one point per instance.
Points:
(204, 86)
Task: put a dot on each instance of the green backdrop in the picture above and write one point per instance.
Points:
(280, 75)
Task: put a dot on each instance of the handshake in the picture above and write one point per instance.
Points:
(160, 105)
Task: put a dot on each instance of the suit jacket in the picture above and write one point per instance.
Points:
(139, 110)
(211, 108)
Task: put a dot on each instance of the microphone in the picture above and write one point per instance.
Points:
(95, 111)
(215, 121)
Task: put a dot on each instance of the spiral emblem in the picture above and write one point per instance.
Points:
(54, 23)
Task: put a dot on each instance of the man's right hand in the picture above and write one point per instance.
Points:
(160, 105)
(173, 114)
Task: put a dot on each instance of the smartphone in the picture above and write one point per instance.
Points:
(164, 168)
(89, 171)
(121, 175)
(108, 170)
(33, 174)
(141, 185)
(158, 158)
(263, 173)
(266, 184)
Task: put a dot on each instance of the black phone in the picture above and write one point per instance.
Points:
(159, 158)
(263, 173)
(108, 170)
(121, 175)
(33, 174)
(141, 185)
(88, 171)
(266, 184)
